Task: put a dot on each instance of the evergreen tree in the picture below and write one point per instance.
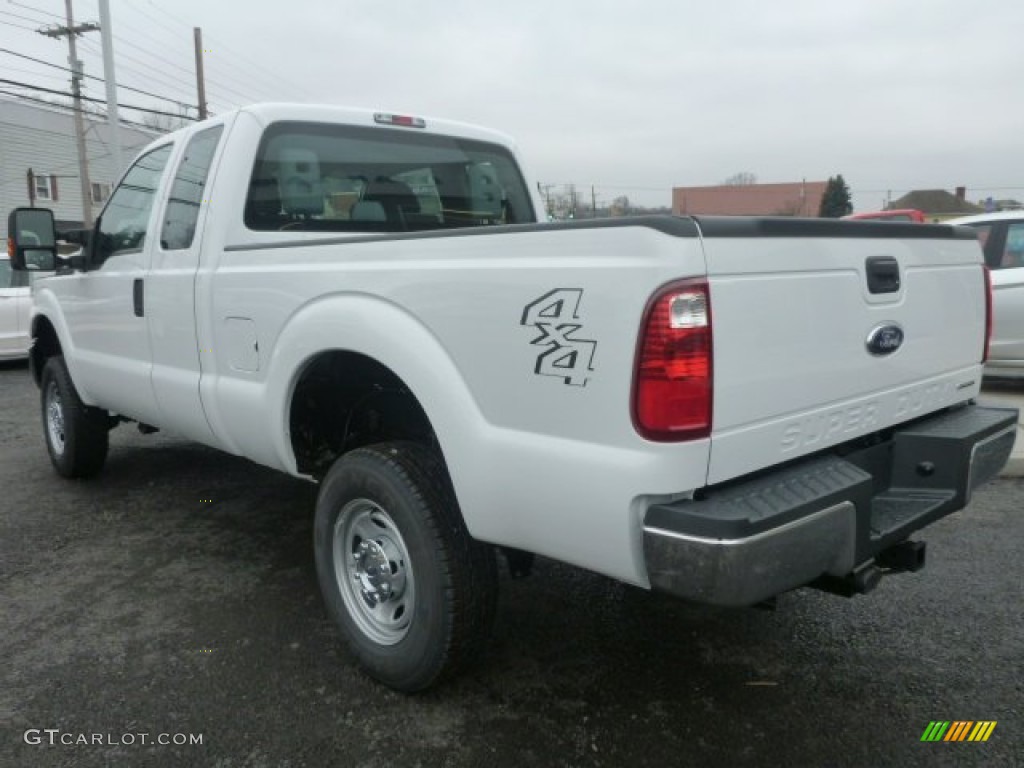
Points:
(836, 200)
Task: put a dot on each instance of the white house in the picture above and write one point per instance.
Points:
(41, 139)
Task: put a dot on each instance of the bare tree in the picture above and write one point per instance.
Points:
(166, 123)
(741, 179)
(620, 206)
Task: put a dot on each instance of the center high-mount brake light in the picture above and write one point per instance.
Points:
(672, 387)
(403, 121)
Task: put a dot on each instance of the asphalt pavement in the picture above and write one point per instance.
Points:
(175, 598)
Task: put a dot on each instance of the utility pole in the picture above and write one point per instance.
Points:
(76, 90)
(545, 190)
(200, 79)
(593, 202)
(107, 32)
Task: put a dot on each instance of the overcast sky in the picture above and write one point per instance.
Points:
(631, 97)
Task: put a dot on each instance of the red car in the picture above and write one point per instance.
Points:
(899, 214)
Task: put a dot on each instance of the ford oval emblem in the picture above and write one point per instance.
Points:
(884, 339)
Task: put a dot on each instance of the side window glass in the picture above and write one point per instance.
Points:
(122, 227)
(984, 232)
(187, 191)
(1013, 253)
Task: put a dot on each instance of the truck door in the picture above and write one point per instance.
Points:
(105, 305)
(170, 291)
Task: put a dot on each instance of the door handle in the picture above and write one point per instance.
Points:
(138, 298)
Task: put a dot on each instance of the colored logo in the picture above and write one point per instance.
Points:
(958, 730)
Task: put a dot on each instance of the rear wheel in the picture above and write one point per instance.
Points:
(76, 435)
(411, 591)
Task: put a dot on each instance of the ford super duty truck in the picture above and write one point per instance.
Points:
(722, 409)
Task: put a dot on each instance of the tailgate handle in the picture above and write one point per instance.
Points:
(883, 274)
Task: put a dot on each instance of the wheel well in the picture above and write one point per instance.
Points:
(45, 344)
(345, 400)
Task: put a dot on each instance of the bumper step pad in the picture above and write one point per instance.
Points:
(751, 539)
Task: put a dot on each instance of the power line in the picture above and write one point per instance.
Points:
(164, 73)
(214, 43)
(122, 41)
(98, 79)
(17, 26)
(270, 74)
(138, 34)
(168, 62)
(223, 89)
(34, 73)
(72, 109)
(244, 97)
(239, 90)
(88, 46)
(34, 8)
(219, 77)
(135, 108)
(159, 76)
(19, 16)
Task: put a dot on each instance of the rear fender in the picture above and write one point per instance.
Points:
(388, 334)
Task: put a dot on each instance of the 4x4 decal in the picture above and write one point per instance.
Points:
(556, 315)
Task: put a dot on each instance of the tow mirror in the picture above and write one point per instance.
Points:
(32, 240)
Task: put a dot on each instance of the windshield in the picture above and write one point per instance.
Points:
(321, 177)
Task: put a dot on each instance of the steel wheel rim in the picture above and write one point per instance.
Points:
(55, 418)
(374, 572)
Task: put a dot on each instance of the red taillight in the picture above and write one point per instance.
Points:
(672, 389)
(988, 312)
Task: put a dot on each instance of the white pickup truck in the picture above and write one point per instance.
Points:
(723, 409)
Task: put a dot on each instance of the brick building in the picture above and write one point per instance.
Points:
(801, 198)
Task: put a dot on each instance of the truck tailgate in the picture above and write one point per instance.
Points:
(825, 331)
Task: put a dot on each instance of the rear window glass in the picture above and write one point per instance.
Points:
(322, 177)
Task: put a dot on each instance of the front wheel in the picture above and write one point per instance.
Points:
(77, 436)
(411, 591)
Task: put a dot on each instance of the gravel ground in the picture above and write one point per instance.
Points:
(176, 595)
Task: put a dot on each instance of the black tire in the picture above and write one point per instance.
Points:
(428, 611)
(77, 436)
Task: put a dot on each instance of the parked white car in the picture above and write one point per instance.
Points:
(1002, 238)
(15, 305)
